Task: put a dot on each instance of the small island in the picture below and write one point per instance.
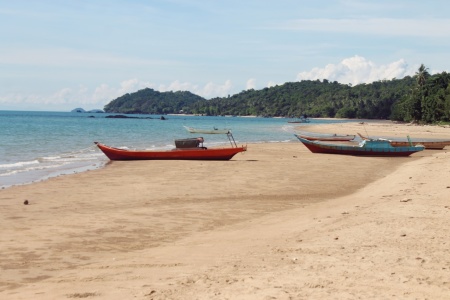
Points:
(81, 110)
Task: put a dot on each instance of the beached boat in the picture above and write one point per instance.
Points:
(428, 144)
(326, 137)
(301, 120)
(365, 147)
(207, 131)
(186, 149)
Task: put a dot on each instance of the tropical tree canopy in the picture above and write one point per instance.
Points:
(421, 98)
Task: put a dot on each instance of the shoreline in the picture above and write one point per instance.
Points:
(42, 173)
(27, 179)
(276, 221)
(380, 129)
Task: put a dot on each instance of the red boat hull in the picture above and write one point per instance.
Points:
(175, 154)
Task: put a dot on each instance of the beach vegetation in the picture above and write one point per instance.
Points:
(422, 98)
(428, 100)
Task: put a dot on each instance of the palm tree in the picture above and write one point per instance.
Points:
(419, 100)
(422, 75)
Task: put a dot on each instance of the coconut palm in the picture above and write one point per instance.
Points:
(422, 75)
(418, 100)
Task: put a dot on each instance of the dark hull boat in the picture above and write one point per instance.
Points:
(365, 148)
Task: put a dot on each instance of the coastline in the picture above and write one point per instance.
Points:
(382, 128)
(276, 221)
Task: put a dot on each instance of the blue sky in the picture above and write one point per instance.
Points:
(59, 55)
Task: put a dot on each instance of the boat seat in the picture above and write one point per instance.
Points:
(189, 143)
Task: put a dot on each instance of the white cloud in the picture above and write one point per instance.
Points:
(209, 90)
(177, 86)
(251, 84)
(357, 70)
(272, 84)
(353, 70)
(69, 98)
(102, 92)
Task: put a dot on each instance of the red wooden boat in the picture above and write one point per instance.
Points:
(366, 147)
(187, 149)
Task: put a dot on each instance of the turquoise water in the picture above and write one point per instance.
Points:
(37, 145)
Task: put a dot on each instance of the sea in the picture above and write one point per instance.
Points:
(37, 145)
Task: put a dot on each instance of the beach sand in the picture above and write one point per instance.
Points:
(276, 222)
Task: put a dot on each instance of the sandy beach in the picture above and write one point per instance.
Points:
(275, 222)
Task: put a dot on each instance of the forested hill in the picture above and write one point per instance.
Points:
(407, 99)
(312, 98)
(149, 101)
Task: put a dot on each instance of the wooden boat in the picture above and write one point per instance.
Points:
(434, 145)
(330, 137)
(188, 149)
(366, 147)
(301, 120)
(207, 131)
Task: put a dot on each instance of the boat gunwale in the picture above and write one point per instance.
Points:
(327, 137)
(432, 145)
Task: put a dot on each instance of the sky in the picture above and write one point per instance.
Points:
(65, 54)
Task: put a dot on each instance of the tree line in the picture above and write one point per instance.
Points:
(419, 98)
